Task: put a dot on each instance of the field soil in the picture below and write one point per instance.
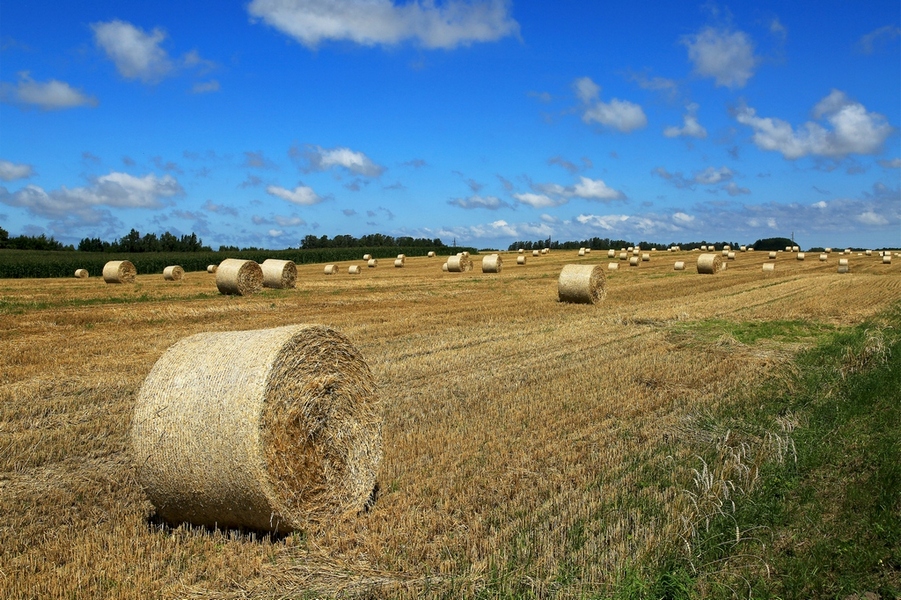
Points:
(530, 446)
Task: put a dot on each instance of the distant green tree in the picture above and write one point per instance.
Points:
(776, 243)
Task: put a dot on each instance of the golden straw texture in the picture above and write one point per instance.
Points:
(269, 429)
(492, 263)
(239, 277)
(211, 268)
(521, 259)
(634, 261)
(398, 263)
(582, 284)
(330, 269)
(81, 273)
(459, 264)
(710, 264)
(800, 256)
(769, 267)
(611, 253)
(367, 257)
(279, 274)
(612, 266)
(119, 271)
(444, 267)
(679, 265)
(173, 273)
(372, 263)
(431, 254)
(353, 270)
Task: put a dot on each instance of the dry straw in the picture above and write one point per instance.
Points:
(279, 274)
(398, 263)
(269, 429)
(611, 253)
(492, 263)
(402, 258)
(173, 273)
(353, 270)
(824, 257)
(612, 266)
(800, 256)
(868, 252)
(581, 251)
(724, 252)
(634, 261)
(828, 250)
(730, 255)
(241, 277)
(886, 259)
(535, 253)
(844, 269)
(582, 284)
(679, 265)
(81, 273)
(367, 257)
(431, 254)
(459, 264)
(372, 263)
(772, 255)
(211, 268)
(445, 268)
(623, 255)
(645, 257)
(520, 251)
(710, 264)
(330, 269)
(769, 267)
(119, 271)
(843, 262)
(520, 260)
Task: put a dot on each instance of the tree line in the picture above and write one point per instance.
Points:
(372, 240)
(133, 241)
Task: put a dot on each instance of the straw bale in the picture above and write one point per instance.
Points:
(824, 256)
(634, 261)
(444, 267)
(796, 249)
(119, 271)
(886, 259)
(545, 250)
(270, 429)
(727, 247)
(868, 252)
(844, 269)
(330, 269)
(520, 251)
(398, 263)
(581, 251)
(645, 257)
(847, 250)
(587, 250)
(724, 253)
(769, 267)
(800, 256)
(279, 274)
(703, 248)
(624, 256)
(372, 263)
(710, 264)
(679, 265)
(612, 266)
(520, 260)
(630, 248)
(742, 248)
(772, 255)
(431, 254)
(582, 284)
(828, 250)
(611, 253)
(367, 257)
(843, 262)
(636, 252)
(173, 273)
(730, 255)
(211, 268)
(353, 270)
(402, 256)
(788, 248)
(81, 273)
(536, 253)
(492, 263)
(241, 277)
(459, 264)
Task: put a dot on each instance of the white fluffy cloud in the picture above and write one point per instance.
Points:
(851, 130)
(594, 189)
(303, 195)
(11, 171)
(476, 201)
(539, 200)
(317, 158)
(372, 22)
(690, 126)
(50, 95)
(136, 54)
(554, 194)
(621, 115)
(726, 56)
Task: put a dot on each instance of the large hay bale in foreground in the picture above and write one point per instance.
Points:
(582, 284)
(279, 274)
(492, 263)
(269, 429)
(459, 264)
(119, 271)
(709, 264)
(81, 273)
(239, 277)
(173, 273)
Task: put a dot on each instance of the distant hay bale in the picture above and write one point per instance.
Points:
(330, 269)
(624, 256)
(645, 257)
(459, 264)
(398, 263)
(727, 247)
(844, 269)
(612, 266)
(279, 274)
(772, 255)
(730, 255)
(536, 253)
(843, 262)
(788, 248)
(444, 267)
(372, 263)
(710, 264)
(173, 273)
(367, 257)
(800, 256)
(119, 271)
(403, 256)
(81, 273)
(581, 251)
(796, 249)
(828, 250)
(634, 261)
(520, 251)
(742, 248)
(703, 248)
(630, 248)
(239, 277)
(521, 260)
(769, 267)
(868, 252)
(545, 250)
(492, 263)
(211, 268)
(824, 257)
(431, 254)
(636, 252)
(353, 270)
(679, 265)
(611, 253)
(847, 250)
(582, 284)
(886, 259)
(724, 253)
(271, 429)
(587, 250)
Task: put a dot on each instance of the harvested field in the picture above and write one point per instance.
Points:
(552, 476)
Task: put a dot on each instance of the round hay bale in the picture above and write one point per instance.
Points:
(710, 264)
(636, 252)
(173, 273)
(536, 253)
(587, 250)
(742, 248)
(844, 269)
(398, 263)
(727, 247)
(492, 263)
(240, 277)
(581, 251)
(724, 253)
(868, 252)
(827, 250)
(611, 253)
(119, 271)
(612, 266)
(679, 265)
(372, 263)
(459, 264)
(367, 257)
(81, 273)
(703, 248)
(353, 270)
(520, 260)
(886, 259)
(624, 256)
(279, 274)
(730, 255)
(630, 248)
(520, 251)
(843, 262)
(848, 251)
(772, 256)
(444, 267)
(211, 268)
(545, 250)
(330, 269)
(402, 256)
(769, 267)
(269, 429)
(634, 261)
(824, 257)
(645, 257)
(800, 256)
(582, 284)
(431, 254)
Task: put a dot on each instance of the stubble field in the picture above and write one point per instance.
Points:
(530, 446)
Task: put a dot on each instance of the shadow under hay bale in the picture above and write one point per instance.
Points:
(269, 429)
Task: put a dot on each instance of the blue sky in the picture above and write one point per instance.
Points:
(257, 123)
